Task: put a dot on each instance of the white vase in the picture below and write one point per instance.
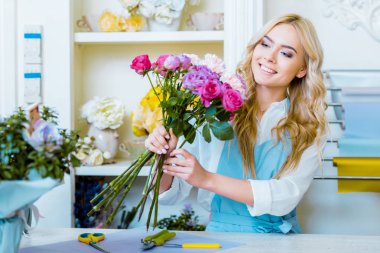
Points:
(105, 139)
(155, 26)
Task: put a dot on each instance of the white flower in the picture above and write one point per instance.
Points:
(95, 158)
(106, 155)
(130, 4)
(162, 11)
(80, 155)
(214, 63)
(194, 59)
(87, 140)
(235, 82)
(147, 8)
(104, 113)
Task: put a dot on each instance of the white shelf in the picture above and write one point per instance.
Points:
(114, 169)
(148, 37)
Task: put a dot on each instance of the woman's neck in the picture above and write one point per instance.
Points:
(266, 96)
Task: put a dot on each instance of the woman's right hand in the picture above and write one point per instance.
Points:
(160, 141)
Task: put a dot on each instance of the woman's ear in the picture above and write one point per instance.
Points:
(302, 72)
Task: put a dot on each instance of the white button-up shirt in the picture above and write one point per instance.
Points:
(274, 196)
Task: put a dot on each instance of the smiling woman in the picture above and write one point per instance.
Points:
(254, 182)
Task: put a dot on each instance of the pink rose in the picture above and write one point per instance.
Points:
(158, 66)
(232, 100)
(141, 63)
(172, 63)
(209, 91)
(185, 62)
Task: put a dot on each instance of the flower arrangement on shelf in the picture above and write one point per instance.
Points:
(191, 96)
(186, 221)
(161, 11)
(104, 113)
(110, 22)
(34, 155)
(89, 154)
(105, 116)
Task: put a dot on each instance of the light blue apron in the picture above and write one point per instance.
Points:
(228, 215)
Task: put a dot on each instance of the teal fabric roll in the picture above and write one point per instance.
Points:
(10, 234)
(356, 147)
(361, 137)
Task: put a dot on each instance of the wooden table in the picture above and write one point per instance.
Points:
(251, 242)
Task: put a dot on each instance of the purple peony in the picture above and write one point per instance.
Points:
(197, 77)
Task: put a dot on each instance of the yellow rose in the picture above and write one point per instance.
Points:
(151, 99)
(108, 22)
(132, 24)
(139, 131)
(154, 118)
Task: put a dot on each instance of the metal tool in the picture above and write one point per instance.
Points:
(160, 238)
(157, 239)
(92, 239)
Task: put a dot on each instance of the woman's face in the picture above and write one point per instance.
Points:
(278, 57)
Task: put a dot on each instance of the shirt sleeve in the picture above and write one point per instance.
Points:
(280, 196)
(180, 189)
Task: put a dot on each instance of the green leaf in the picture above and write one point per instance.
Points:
(186, 116)
(206, 133)
(172, 101)
(222, 130)
(177, 126)
(223, 115)
(210, 112)
(189, 134)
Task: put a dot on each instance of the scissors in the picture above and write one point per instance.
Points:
(160, 238)
(92, 239)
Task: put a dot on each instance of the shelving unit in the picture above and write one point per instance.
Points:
(113, 169)
(149, 37)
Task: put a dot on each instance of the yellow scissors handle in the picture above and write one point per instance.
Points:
(91, 237)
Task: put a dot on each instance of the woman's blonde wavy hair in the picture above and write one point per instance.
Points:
(306, 119)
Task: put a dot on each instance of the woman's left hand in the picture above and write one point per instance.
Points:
(189, 169)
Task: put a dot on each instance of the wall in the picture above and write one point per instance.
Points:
(54, 16)
(7, 56)
(343, 48)
(323, 210)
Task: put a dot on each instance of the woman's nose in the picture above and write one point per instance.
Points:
(270, 56)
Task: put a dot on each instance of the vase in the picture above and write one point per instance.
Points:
(155, 26)
(105, 139)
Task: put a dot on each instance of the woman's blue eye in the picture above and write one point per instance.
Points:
(264, 44)
(289, 55)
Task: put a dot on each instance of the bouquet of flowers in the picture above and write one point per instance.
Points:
(88, 154)
(162, 11)
(110, 22)
(34, 154)
(193, 94)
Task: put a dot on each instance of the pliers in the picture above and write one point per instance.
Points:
(157, 239)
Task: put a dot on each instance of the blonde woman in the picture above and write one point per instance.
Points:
(254, 182)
